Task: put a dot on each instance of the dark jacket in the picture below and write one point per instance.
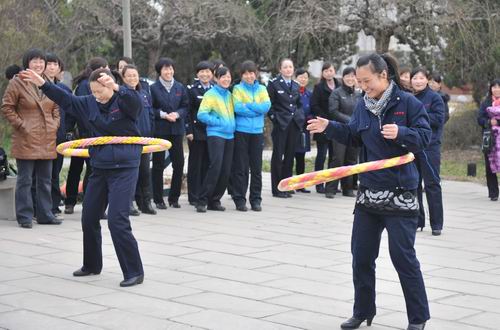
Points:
(342, 103)
(305, 141)
(146, 120)
(482, 117)
(364, 129)
(446, 99)
(319, 103)
(61, 132)
(175, 101)
(118, 117)
(285, 103)
(76, 125)
(434, 105)
(193, 125)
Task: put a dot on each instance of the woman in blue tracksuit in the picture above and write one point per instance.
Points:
(251, 103)
(145, 121)
(112, 110)
(429, 160)
(386, 123)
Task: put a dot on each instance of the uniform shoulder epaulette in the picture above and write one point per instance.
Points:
(189, 86)
(273, 79)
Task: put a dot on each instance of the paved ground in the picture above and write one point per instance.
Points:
(285, 268)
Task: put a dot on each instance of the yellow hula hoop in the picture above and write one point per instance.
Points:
(79, 148)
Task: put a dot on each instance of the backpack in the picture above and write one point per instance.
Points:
(4, 165)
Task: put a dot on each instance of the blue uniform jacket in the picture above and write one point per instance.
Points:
(364, 129)
(193, 125)
(285, 103)
(434, 105)
(61, 131)
(175, 101)
(118, 117)
(146, 120)
(83, 89)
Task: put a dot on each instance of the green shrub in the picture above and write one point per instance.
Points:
(462, 130)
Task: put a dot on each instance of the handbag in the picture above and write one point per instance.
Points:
(487, 141)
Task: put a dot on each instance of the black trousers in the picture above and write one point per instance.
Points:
(117, 186)
(220, 155)
(300, 163)
(322, 148)
(247, 161)
(143, 191)
(284, 146)
(197, 168)
(491, 179)
(365, 244)
(56, 189)
(73, 180)
(342, 155)
(177, 157)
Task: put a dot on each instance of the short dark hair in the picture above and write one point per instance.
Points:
(164, 62)
(32, 54)
(420, 69)
(327, 65)
(379, 63)
(125, 59)
(404, 70)
(437, 77)
(203, 65)
(283, 59)
(221, 71)
(11, 71)
(96, 74)
(348, 70)
(248, 66)
(217, 63)
(301, 71)
(53, 58)
(130, 67)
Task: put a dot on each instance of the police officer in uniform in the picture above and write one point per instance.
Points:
(196, 131)
(112, 110)
(288, 118)
(170, 103)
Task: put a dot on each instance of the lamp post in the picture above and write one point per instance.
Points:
(127, 32)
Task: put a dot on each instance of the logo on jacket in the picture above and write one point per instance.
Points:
(399, 113)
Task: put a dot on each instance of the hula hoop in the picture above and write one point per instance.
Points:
(318, 177)
(79, 148)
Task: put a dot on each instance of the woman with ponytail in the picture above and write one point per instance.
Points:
(386, 123)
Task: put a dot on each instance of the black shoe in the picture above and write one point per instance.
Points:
(241, 208)
(280, 195)
(27, 225)
(436, 232)
(56, 211)
(147, 208)
(201, 208)
(330, 195)
(289, 194)
(216, 207)
(82, 272)
(303, 190)
(256, 208)
(348, 193)
(69, 209)
(320, 189)
(354, 323)
(134, 212)
(132, 281)
(175, 205)
(51, 222)
(494, 199)
(161, 206)
(192, 203)
(420, 326)
(104, 216)
(421, 228)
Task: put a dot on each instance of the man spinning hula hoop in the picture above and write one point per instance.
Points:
(111, 110)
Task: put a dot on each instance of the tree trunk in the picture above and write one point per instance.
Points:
(382, 40)
(153, 55)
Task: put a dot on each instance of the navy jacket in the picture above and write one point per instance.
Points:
(285, 103)
(434, 105)
(319, 103)
(175, 101)
(364, 129)
(61, 131)
(146, 120)
(82, 89)
(482, 117)
(193, 125)
(118, 117)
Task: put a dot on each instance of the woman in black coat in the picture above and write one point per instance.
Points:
(341, 106)
(319, 107)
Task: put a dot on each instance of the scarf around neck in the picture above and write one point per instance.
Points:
(377, 106)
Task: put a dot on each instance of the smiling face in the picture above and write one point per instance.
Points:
(419, 82)
(349, 79)
(329, 73)
(249, 77)
(434, 85)
(205, 76)
(495, 90)
(303, 79)
(101, 93)
(372, 83)
(52, 70)
(225, 80)
(131, 77)
(167, 73)
(286, 69)
(37, 64)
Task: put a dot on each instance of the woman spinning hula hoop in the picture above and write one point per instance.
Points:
(387, 123)
(111, 110)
